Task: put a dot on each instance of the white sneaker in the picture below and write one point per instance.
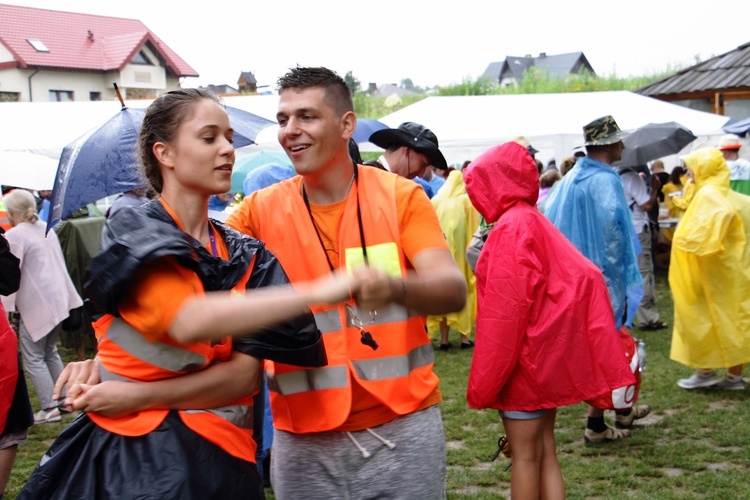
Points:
(43, 417)
(701, 378)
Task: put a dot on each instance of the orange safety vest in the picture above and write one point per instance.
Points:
(4, 221)
(125, 355)
(400, 372)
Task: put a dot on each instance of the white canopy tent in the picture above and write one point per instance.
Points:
(47, 127)
(467, 126)
(34, 134)
(36, 172)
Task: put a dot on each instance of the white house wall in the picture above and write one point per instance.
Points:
(16, 81)
(135, 76)
(143, 76)
(81, 84)
(5, 55)
(139, 76)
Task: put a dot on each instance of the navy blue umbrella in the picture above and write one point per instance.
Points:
(737, 127)
(365, 128)
(103, 161)
(246, 126)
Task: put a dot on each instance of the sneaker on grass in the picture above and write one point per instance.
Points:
(636, 413)
(607, 435)
(728, 384)
(699, 379)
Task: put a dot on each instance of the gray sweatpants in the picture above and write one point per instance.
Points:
(43, 363)
(647, 312)
(328, 465)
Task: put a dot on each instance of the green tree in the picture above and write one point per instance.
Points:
(351, 82)
(407, 84)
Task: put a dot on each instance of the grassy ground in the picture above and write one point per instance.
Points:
(693, 445)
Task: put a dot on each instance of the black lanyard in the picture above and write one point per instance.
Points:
(359, 220)
(365, 336)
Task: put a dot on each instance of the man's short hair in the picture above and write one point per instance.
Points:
(338, 94)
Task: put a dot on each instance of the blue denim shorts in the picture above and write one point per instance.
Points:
(523, 415)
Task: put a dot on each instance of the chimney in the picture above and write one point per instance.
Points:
(372, 88)
(542, 55)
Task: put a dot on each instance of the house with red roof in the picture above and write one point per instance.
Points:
(49, 55)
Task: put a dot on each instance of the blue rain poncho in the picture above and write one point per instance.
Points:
(709, 270)
(588, 206)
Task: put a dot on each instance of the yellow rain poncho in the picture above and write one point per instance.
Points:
(681, 203)
(709, 271)
(458, 220)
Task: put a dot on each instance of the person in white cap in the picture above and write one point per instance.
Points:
(739, 168)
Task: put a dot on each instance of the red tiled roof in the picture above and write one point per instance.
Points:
(112, 44)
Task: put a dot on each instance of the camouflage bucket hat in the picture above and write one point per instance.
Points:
(603, 131)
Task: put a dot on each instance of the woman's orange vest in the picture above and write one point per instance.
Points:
(400, 372)
(4, 221)
(125, 355)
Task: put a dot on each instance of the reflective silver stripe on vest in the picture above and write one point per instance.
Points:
(239, 415)
(328, 321)
(330, 377)
(395, 366)
(165, 356)
(389, 314)
(336, 377)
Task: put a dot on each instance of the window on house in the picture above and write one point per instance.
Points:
(37, 44)
(9, 96)
(95, 96)
(60, 95)
(141, 58)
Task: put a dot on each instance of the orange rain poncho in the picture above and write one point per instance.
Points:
(709, 271)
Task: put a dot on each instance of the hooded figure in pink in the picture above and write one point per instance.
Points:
(545, 327)
(545, 331)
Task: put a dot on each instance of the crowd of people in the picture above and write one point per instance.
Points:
(308, 317)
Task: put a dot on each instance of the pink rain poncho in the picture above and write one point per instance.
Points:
(709, 270)
(545, 333)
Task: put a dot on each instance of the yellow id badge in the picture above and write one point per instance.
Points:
(383, 256)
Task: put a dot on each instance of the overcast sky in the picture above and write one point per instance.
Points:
(432, 42)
